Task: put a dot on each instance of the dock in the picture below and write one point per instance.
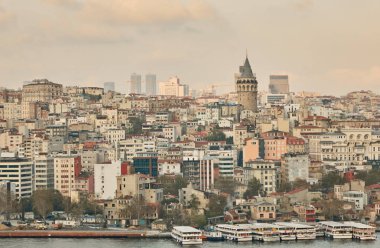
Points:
(80, 234)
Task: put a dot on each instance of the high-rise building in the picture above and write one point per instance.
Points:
(150, 84)
(279, 84)
(135, 84)
(109, 86)
(43, 172)
(173, 88)
(67, 169)
(18, 171)
(246, 87)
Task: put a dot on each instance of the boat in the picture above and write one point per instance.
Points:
(213, 236)
(319, 229)
(362, 231)
(287, 233)
(186, 235)
(234, 232)
(301, 231)
(336, 230)
(264, 232)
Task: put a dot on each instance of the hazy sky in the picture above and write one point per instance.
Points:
(331, 46)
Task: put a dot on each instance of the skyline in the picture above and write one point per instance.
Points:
(321, 43)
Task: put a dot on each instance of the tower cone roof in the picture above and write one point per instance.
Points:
(246, 70)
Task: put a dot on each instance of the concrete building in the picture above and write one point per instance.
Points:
(135, 84)
(173, 88)
(150, 84)
(41, 90)
(19, 172)
(279, 84)
(105, 179)
(246, 87)
(146, 163)
(43, 172)
(109, 86)
(263, 170)
(295, 166)
(66, 170)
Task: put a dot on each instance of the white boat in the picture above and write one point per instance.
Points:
(336, 230)
(186, 235)
(361, 231)
(264, 232)
(301, 231)
(286, 233)
(234, 232)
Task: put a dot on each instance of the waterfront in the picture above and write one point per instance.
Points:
(168, 243)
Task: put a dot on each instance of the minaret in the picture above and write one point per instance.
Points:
(246, 87)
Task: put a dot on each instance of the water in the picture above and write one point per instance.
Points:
(167, 243)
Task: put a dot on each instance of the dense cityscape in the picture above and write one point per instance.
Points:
(177, 156)
(159, 123)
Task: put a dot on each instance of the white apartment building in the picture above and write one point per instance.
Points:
(18, 171)
(105, 179)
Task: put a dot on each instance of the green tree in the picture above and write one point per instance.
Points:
(216, 135)
(226, 185)
(300, 183)
(253, 188)
(171, 184)
(136, 125)
(331, 179)
(216, 205)
(370, 177)
(230, 140)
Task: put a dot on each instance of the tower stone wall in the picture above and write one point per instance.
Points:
(246, 87)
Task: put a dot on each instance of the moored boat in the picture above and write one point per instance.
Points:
(213, 236)
(361, 231)
(264, 232)
(336, 230)
(186, 235)
(234, 232)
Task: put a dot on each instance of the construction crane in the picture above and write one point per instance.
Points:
(215, 85)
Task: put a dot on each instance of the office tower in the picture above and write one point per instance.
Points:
(109, 86)
(278, 84)
(246, 86)
(173, 88)
(135, 83)
(150, 84)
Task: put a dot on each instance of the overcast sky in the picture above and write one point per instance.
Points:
(330, 46)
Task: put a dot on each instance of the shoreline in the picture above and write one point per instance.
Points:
(81, 234)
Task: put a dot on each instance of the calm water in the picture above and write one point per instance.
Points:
(167, 243)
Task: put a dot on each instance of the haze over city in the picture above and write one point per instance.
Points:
(325, 46)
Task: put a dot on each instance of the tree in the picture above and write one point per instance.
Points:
(42, 201)
(194, 202)
(300, 183)
(216, 205)
(216, 135)
(331, 179)
(171, 184)
(332, 208)
(253, 189)
(226, 185)
(370, 177)
(230, 140)
(136, 125)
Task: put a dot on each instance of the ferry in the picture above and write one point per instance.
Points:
(301, 231)
(286, 233)
(336, 230)
(361, 231)
(319, 229)
(234, 232)
(264, 232)
(213, 236)
(187, 235)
